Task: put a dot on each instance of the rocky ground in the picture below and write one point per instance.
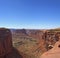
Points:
(54, 52)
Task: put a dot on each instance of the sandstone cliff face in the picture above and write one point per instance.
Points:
(51, 38)
(5, 41)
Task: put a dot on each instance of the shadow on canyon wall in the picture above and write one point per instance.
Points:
(13, 54)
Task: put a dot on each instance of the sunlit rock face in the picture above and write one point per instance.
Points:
(51, 38)
(54, 52)
(5, 42)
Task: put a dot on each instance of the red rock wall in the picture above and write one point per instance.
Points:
(5, 42)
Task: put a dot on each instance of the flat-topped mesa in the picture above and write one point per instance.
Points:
(5, 42)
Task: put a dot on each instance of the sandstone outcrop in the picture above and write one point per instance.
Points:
(54, 52)
(5, 42)
(51, 38)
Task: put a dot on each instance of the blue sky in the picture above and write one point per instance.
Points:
(30, 14)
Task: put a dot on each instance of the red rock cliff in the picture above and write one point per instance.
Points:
(5, 42)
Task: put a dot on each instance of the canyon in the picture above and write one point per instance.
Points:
(27, 43)
(32, 43)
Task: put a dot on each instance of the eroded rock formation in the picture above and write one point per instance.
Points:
(5, 42)
(51, 38)
(35, 42)
(54, 52)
